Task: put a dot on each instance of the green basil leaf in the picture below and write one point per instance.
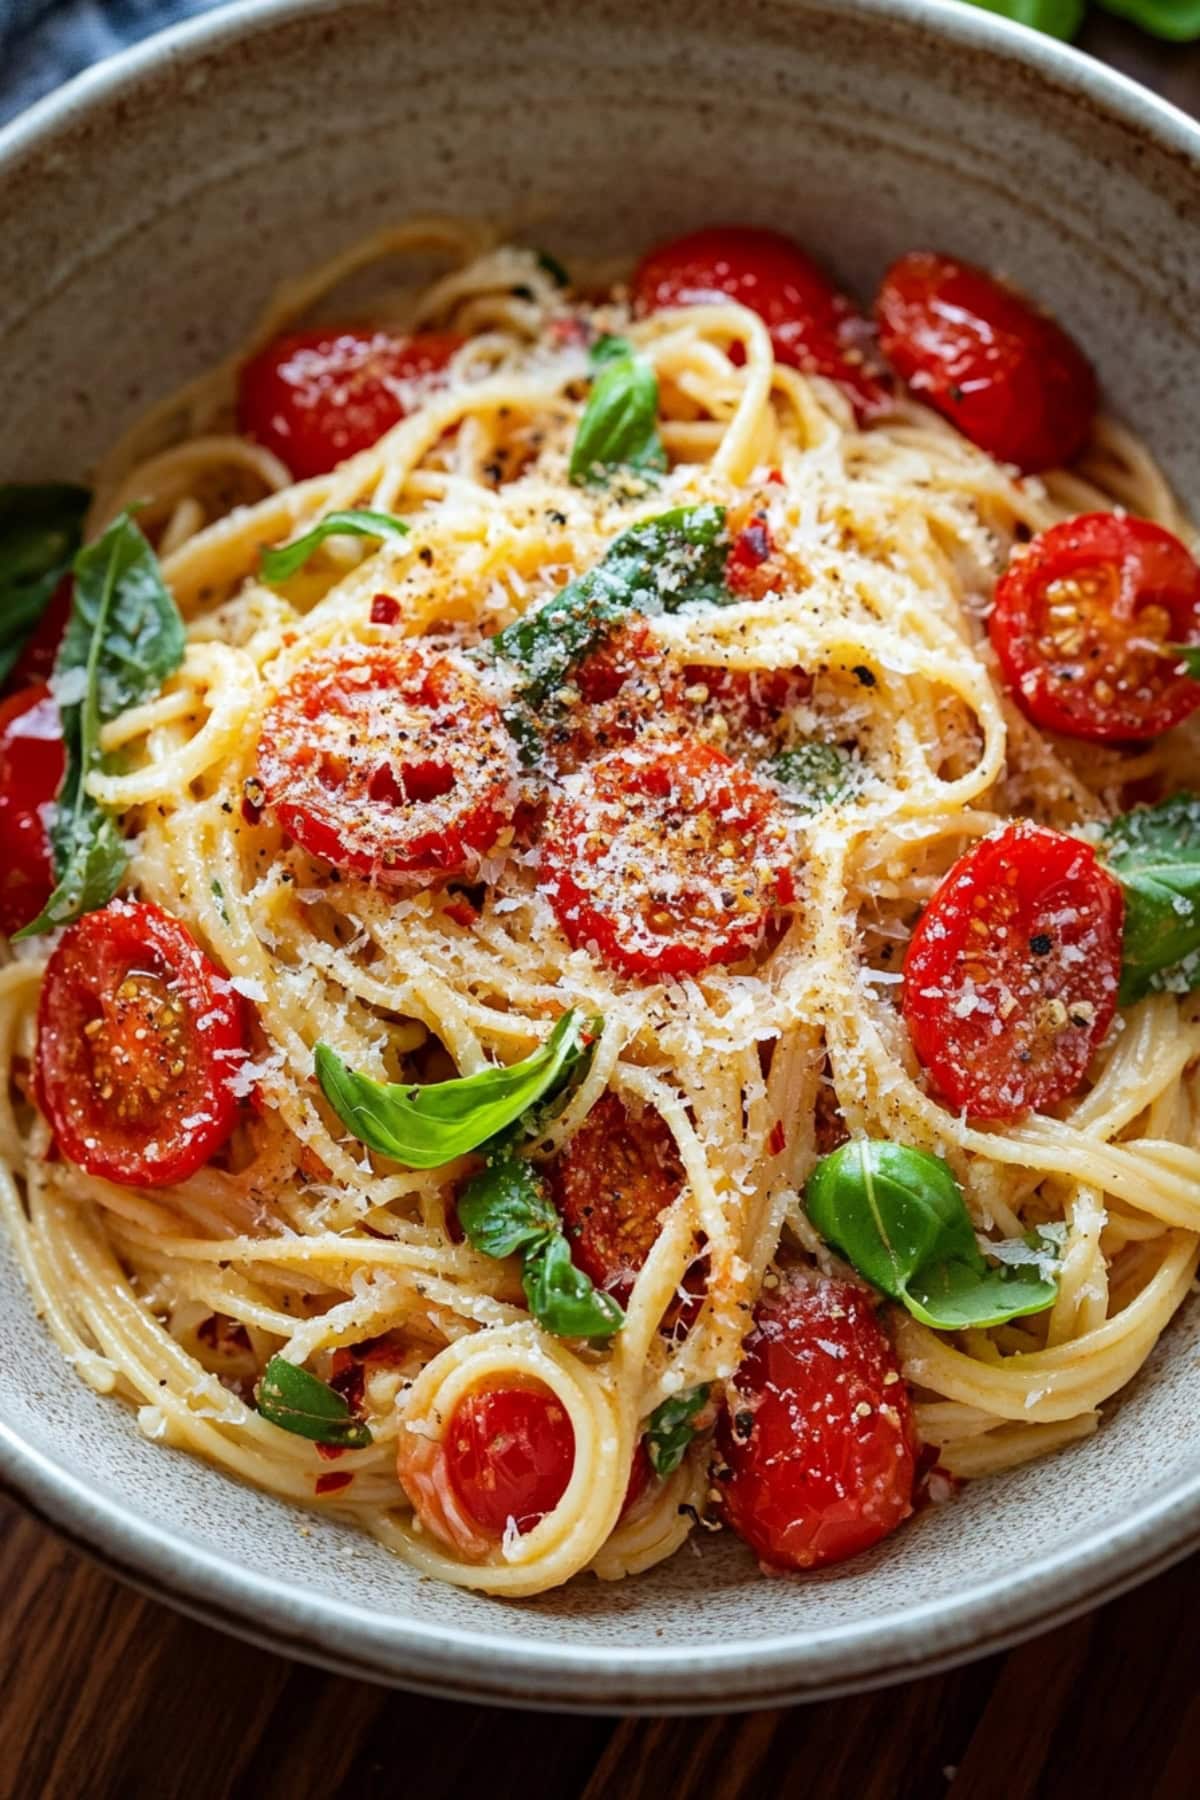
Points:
(424, 1127)
(552, 267)
(277, 565)
(562, 1298)
(661, 565)
(296, 1401)
(1058, 18)
(619, 427)
(814, 775)
(669, 1429)
(123, 638)
(40, 529)
(898, 1215)
(506, 1209)
(1155, 853)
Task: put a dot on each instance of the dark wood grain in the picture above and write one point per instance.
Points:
(108, 1696)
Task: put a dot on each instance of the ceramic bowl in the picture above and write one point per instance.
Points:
(144, 213)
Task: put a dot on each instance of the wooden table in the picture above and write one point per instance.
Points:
(109, 1695)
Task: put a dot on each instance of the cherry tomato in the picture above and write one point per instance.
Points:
(317, 397)
(1005, 374)
(1010, 979)
(640, 1477)
(31, 771)
(667, 857)
(818, 1440)
(813, 327)
(1082, 623)
(509, 1455)
(139, 1039)
(388, 761)
(612, 1183)
(36, 661)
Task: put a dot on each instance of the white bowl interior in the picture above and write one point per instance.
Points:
(142, 224)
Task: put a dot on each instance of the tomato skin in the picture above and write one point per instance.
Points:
(633, 863)
(389, 762)
(32, 760)
(1005, 374)
(128, 996)
(612, 1183)
(509, 1454)
(1080, 620)
(1007, 1018)
(316, 397)
(812, 1477)
(813, 327)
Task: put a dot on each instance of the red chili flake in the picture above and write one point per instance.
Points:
(384, 610)
(462, 912)
(347, 1379)
(777, 1139)
(330, 1452)
(776, 477)
(331, 1484)
(753, 547)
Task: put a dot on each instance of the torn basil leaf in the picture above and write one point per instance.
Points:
(670, 1429)
(899, 1217)
(123, 639)
(814, 775)
(296, 1401)
(619, 427)
(40, 530)
(277, 565)
(1155, 854)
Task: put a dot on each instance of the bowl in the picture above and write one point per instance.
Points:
(145, 212)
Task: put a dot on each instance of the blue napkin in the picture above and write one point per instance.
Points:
(45, 42)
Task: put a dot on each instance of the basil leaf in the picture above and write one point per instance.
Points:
(675, 560)
(40, 528)
(277, 565)
(552, 267)
(898, 1215)
(1155, 853)
(296, 1401)
(506, 1209)
(1058, 18)
(424, 1127)
(669, 1429)
(619, 427)
(813, 775)
(562, 1298)
(123, 638)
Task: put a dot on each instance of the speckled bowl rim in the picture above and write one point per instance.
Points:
(1052, 1588)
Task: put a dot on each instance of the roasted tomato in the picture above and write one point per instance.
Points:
(667, 858)
(1005, 374)
(818, 1441)
(31, 771)
(1011, 977)
(317, 397)
(1085, 624)
(813, 327)
(612, 1183)
(139, 1043)
(36, 661)
(388, 761)
(509, 1455)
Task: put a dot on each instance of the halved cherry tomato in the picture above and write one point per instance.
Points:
(139, 1040)
(509, 1455)
(32, 760)
(388, 761)
(818, 1441)
(317, 397)
(1083, 623)
(1011, 976)
(1005, 374)
(813, 327)
(612, 1183)
(668, 858)
(36, 661)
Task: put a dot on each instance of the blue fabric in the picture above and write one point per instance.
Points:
(45, 42)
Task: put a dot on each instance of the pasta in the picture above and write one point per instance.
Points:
(881, 546)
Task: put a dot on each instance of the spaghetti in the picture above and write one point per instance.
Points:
(869, 553)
